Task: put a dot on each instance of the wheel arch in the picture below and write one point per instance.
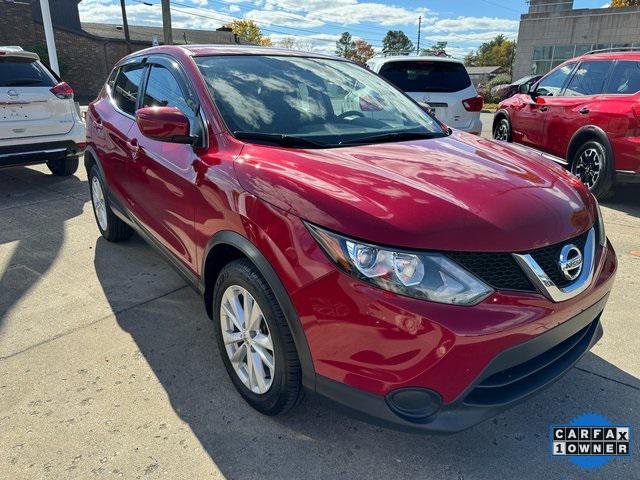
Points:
(226, 246)
(584, 134)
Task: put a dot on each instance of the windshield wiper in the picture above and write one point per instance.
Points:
(281, 139)
(392, 137)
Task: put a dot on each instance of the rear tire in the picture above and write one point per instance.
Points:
(502, 130)
(111, 227)
(63, 167)
(593, 165)
(279, 388)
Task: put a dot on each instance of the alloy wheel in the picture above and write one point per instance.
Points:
(588, 166)
(501, 132)
(247, 339)
(99, 204)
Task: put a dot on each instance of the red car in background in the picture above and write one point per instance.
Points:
(586, 112)
(344, 241)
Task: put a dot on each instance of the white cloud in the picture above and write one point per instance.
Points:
(233, 8)
(283, 19)
(474, 23)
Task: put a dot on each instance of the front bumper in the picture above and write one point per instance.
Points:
(367, 344)
(511, 377)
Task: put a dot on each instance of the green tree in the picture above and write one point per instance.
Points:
(249, 31)
(625, 3)
(396, 42)
(345, 45)
(438, 49)
(499, 51)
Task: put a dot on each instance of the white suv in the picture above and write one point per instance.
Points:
(39, 121)
(441, 82)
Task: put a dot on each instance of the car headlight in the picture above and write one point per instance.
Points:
(424, 275)
(602, 234)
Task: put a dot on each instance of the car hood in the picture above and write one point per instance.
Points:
(458, 193)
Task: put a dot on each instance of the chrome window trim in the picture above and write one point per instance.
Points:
(546, 286)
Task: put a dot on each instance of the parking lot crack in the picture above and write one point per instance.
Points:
(608, 378)
(82, 327)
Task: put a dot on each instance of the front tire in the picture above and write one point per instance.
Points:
(64, 166)
(254, 340)
(502, 130)
(593, 165)
(111, 227)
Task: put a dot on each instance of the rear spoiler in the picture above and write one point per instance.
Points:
(15, 51)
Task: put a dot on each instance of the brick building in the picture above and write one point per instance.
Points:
(86, 51)
(552, 31)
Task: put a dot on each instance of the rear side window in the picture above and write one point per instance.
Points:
(625, 78)
(125, 88)
(427, 76)
(23, 72)
(588, 79)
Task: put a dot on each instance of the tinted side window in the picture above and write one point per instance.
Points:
(125, 88)
(23, 72)
(552, 84)
(625, 78)
(163, 90)
(427, 76)
(588, 79)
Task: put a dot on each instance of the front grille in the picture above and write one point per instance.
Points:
(547, 258)
(500, 270)
(514, 383)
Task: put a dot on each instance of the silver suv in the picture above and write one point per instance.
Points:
(39, 120)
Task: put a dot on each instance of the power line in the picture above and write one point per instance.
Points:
(306, 37)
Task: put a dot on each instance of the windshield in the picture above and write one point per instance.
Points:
(322, 101)
(427, 75)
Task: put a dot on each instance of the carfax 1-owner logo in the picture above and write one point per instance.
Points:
(591, 440)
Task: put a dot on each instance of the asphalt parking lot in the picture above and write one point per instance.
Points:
(109, 369)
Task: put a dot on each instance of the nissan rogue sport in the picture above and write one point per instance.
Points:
(345, 242)
(586, 113)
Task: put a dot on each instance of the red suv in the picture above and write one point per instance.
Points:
(586, 112)
(344, 241)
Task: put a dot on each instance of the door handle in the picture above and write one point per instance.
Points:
(584, 111)
(544, 109)
(134, 147)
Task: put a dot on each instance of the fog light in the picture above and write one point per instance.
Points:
(414, 404)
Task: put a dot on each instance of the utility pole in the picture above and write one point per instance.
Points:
(125, 25)
(166, 23)
(419, 28)
(48, 33)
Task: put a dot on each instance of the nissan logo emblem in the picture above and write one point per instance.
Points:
(570, 262)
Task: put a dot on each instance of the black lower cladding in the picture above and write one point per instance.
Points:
(500, 270)
(511, 377)
(32, 153)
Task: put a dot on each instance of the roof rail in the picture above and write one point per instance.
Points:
(615, 49)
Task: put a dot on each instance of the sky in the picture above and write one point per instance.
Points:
(316, 24)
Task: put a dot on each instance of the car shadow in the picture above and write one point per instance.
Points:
(34, 207)
(625, 199)
(176, 339)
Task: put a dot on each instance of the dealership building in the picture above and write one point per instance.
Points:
(552, 31)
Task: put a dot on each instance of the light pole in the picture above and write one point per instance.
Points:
(48, 34)
(166, 23)
(419, 28)
(125, 25)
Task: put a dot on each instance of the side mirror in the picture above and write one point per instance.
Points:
(164, 124)
(525, 88)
